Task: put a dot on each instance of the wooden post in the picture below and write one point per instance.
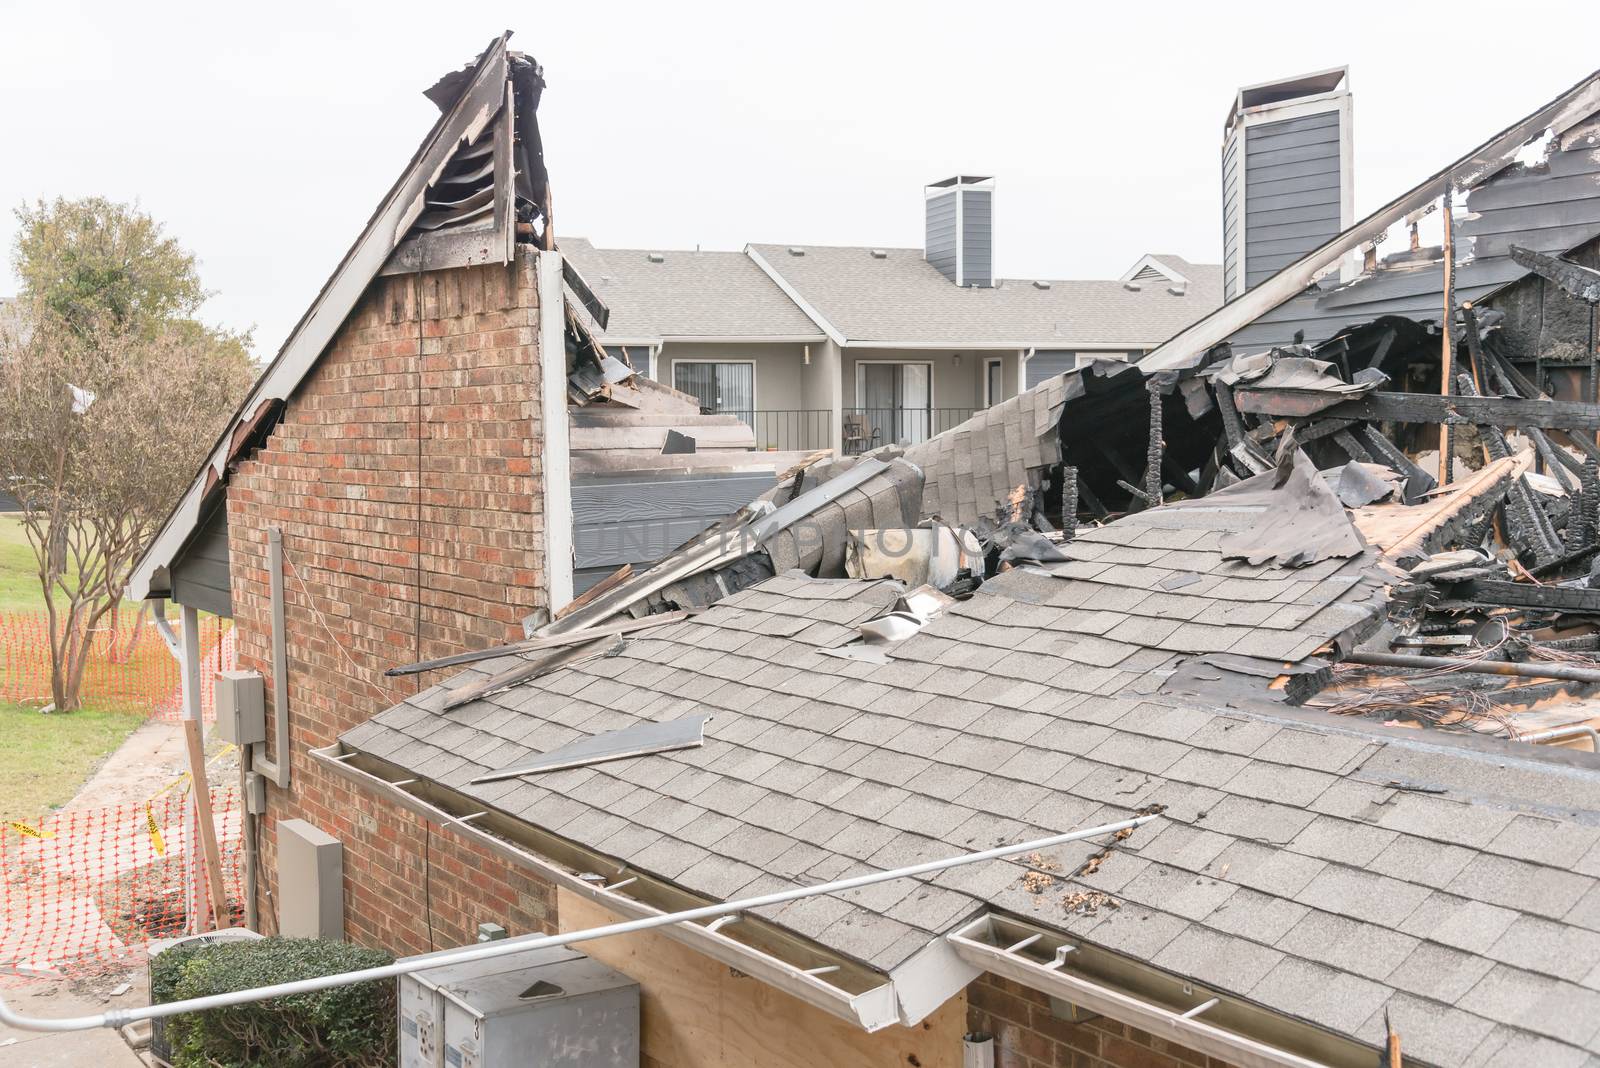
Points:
(1447, 357)
(194, 741)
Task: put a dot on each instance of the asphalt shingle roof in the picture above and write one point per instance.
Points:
(687, 294)
(901, 297)
(1296, 865)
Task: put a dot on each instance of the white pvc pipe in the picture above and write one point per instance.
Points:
(489, 950)
(1561, 733)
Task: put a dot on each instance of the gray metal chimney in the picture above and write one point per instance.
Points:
(1286, 174)
(959, 240)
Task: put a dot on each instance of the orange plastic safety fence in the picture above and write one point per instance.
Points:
(136, 675)
(83, 891)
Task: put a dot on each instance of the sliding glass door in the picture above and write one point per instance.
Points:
(719, 387)
(895, 401)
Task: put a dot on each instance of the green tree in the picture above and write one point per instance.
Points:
(91, 258)
(110, 395)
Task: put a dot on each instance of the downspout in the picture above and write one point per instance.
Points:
(276, 769)
(489, 950)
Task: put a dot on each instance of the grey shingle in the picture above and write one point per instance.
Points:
(1213, 957)
(1349, 945)
(1336, 1000)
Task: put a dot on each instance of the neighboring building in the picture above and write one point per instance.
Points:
(819, 346)
(1287, 164)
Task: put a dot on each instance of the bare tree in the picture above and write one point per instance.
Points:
(105, 412)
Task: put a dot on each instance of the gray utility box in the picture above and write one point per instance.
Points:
(241, 703)
(542, 1007)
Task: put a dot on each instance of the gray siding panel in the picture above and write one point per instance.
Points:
(634, 519)
(1292, 191)
(977, 226)
(200, 571)
(1550, 210)
(1045, 365)
(1232, 221)
(939, 241)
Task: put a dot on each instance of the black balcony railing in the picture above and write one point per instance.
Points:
(867, 428)
(791, 429)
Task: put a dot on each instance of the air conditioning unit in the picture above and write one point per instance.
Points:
(539, 1007)
(160, 1051)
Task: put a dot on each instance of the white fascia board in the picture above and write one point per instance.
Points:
(1004, 346)
(1467, 172)
(479, 102)
(557, 451)
(793, 294)
(743, 339)
(1160, 265)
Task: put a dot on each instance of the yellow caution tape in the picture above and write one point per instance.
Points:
(31, 832)
(183, 780)
(155, 832)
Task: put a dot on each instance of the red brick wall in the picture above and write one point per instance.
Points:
(1027, 1035)
(406, 478)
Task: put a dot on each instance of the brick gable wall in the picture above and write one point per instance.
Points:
(406, 478)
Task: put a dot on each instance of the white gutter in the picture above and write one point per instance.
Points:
(1468, 171)
(1006, 346)
(1054, 978)
(491, 950)
(793, 294)
(743, 339)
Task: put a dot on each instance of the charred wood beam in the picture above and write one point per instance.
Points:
(1069, 499)
(1481, 411)
(1527, 527)
(1418, 481)
(1381, 350)
(1352, 448)
(1090, 501)
(1306, 433)
(1152, 456)
(1527, 595)
(1570, 278)
(591, 303)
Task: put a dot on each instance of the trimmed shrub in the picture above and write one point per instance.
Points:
(345, 1027)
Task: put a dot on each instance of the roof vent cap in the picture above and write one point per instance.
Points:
(1131, 286)
(1039, 283)
(880, 253)
(795, 250)
(656, 257)
(1177, 289)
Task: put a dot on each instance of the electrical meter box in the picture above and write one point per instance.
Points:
(553, 1006)
(240, 699)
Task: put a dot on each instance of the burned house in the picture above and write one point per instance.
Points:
(1159, 592)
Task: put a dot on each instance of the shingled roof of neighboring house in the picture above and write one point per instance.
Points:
(654, 295)
(1327, 869)
(894, 295)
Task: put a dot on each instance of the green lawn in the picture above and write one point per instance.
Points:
(49, 757)
(19, 577)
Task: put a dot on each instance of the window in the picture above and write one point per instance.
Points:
(896, 401)
(720, 387)
(994, 381)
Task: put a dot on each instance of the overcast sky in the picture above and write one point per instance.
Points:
(263, 135)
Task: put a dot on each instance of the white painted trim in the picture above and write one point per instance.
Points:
(961, 235)
(1048, 344)
(557, 438)
(672, 379)
(988, 362)
(793, 294)
(741, 339)
(1468, 171)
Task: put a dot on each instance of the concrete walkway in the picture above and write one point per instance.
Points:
(86, 1049)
